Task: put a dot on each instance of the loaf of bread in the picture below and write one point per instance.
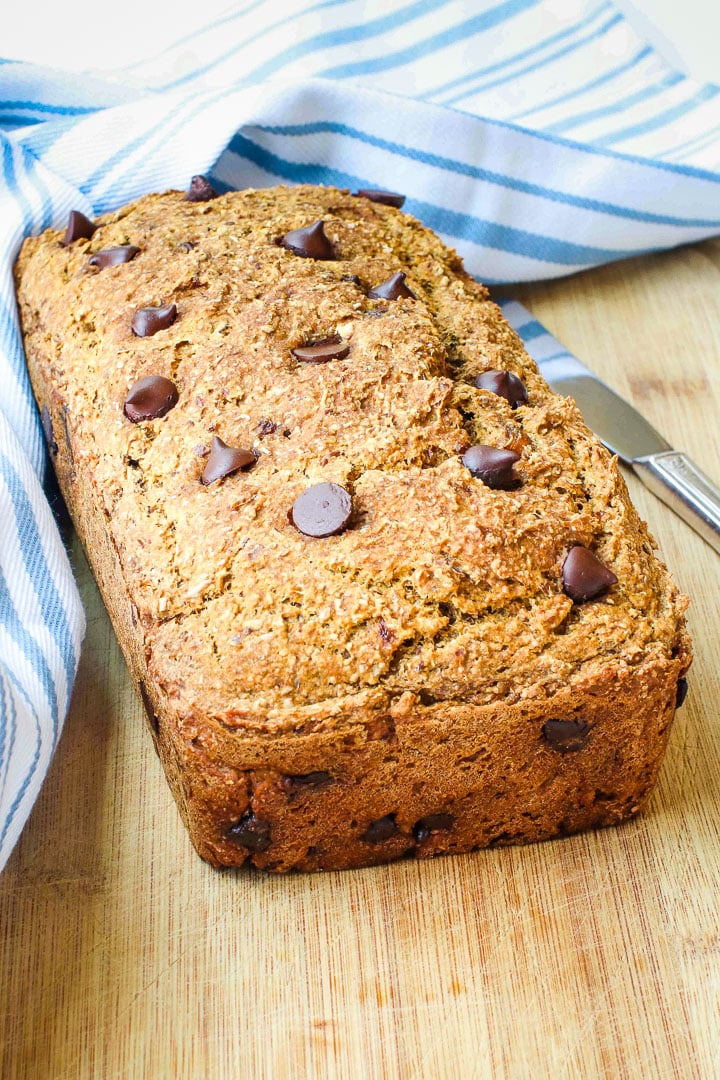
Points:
(381, 591)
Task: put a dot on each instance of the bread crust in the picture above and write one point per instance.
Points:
(333, 702)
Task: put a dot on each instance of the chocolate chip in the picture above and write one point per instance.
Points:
(392, 289)
(432, 823)
(352, 278)
(200, 190)
(584, 576)
(114, 256)
(566, 736)
(318, 779)
(309, 242)
(322, 510)
(319, 352)
(148, 320)
(380, 829)
(225, 460)
(47, 426)
(682, 689)
(267, 427)
(492, 465)
(388, 198)
(78, 228)
(504, 384)
(150, 398)
(186, 245)
(251, 832)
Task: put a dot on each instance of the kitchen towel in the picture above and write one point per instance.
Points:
(538, 137)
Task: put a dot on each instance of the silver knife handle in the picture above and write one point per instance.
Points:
(674, 479)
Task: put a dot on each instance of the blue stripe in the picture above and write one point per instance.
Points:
(618, 106)
(462, 168)
(513, 59)
(643, 54)
(42, 107)
(36, 566)
(705, 137)
(543, 62)
(531, 330)
(8, 165)
(33, 653)
(334, 37)
(452, 222)
(415, 52)
(11, 123)
(652, 124)
(25, 782)
(348, 35)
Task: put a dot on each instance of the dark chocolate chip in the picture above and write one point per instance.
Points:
(47, 426)
(114, 256)
(388, 198)
(267, 427)
(225, 460)
(150, 398)
(78, 228)
(309, 242)
(566, 736)
(682, 689)
(322, 510)
(492, 465)
(392, 289)
(200, 190)
(584, 576)
(186, 245)
(251, 832)
(318, 779)
(148, 320)
(432, 823)
(380, 829)
(319, 352)
(504, 384)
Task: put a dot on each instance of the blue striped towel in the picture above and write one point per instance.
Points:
(538, 137)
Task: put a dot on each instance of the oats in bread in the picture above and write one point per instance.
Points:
(381, 591)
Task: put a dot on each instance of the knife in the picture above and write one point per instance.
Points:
(668, 473)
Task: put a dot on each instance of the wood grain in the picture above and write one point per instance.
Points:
(122, 955)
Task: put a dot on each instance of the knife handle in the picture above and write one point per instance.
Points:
(677, 482)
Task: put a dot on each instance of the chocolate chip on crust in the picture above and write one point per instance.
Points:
(309, 242)
(78, 228)
(114, 256)
(388, 198)
(252, 832)
(200, 190)
(319, 352)
(148, 320)
(381, 829)
(432, 823)
(301, 781)
(566, 736)
(225, 460)
(150, 398)
(492, 465)
(322, 510)
(584, 576)
(505, 385)
(392, 289)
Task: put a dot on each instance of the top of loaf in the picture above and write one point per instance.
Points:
(440, 587)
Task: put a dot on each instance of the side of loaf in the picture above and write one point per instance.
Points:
(381, 591)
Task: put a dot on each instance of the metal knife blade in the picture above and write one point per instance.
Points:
(668, 473)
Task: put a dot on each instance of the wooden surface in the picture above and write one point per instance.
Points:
(123, 956)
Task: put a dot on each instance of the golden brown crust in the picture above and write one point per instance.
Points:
(407, 665)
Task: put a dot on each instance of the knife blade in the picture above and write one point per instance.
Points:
(668, 473)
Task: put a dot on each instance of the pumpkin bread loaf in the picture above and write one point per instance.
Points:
(381, 591)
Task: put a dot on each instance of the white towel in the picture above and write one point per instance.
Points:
(538, 137)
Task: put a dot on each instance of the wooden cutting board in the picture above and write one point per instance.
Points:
(124, 956)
